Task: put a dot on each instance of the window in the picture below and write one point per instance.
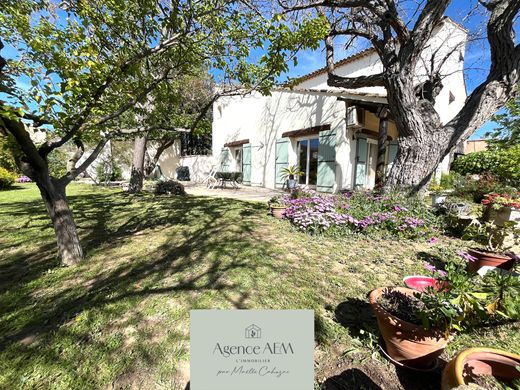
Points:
(195, 145)
(451, 98)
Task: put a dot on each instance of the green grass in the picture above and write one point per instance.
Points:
(121, 318)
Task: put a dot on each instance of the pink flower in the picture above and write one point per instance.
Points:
(433, 240)
(429, 267)
(466, 256)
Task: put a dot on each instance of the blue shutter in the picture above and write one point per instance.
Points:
(224, 160)
(326, 161)
(282, 160)
(361, 162)
(246, 164)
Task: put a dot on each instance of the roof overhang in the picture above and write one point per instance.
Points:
(236, 143)
(306, 131)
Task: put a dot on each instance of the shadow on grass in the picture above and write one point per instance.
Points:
(352, 378)
(356, 315)
(208, 236)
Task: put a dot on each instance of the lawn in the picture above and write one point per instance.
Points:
(121, 318)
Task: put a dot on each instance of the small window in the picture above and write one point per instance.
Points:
(451, 98)
(195, 145)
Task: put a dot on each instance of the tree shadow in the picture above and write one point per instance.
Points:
(203, 247)
(356, 315)
(352, 378)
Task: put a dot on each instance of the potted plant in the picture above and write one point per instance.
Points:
(501, 208)
(277, 206)
(436, 193)
(289, 174)
(482, 366)
(407, 340)
(493, 241)
(415, 326)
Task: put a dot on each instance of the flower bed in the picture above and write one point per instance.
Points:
(364, 212)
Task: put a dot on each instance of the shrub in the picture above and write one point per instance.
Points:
(474, 187)
(6, 178)
(6, 155)
(57, 161)
(108, 171)
(502, 163)
(169, 187)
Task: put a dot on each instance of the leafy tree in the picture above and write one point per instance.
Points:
(182, 104)
(87, 63)
(399, 31)
(508, 132)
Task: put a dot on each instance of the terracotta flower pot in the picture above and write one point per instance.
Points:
(277, 211)
(489, 259)
(472, 362)
(408, 344)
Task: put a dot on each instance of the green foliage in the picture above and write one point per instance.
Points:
(492, 237)
(469, 299)
(57, 161)
(6, 155)
(508, 132)
(7, 178)
(169, 187)
(476, 187)
(108, 171)
(448, 180)
(503, 163)
(291, 171)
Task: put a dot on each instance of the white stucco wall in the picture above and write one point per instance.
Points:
(263, 120)
(199, 166)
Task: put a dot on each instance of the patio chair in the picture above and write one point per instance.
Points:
(210, 180)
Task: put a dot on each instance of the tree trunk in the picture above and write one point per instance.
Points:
(137, 174)
(415, 162)
(55, 199)
(152, 163)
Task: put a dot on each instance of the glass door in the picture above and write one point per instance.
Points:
(308, 160)
(302, 159)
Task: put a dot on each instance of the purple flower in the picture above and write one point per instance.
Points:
(442, 273)
(433, 240)
(429, 267)
(23, 179)
(466, 256)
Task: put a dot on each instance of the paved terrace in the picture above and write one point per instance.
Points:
(248, 193)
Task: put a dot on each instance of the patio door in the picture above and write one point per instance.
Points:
(246, 164)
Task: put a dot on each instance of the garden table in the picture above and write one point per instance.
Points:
(232, 177)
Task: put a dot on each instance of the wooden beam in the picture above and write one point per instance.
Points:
(381, 145)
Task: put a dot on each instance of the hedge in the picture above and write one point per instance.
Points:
(503, 163)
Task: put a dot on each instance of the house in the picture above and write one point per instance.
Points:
(475, 145)
(330, 133)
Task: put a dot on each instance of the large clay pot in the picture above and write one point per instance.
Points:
(489, 259)
(277, 211)
(480, 361)
(408, 344)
